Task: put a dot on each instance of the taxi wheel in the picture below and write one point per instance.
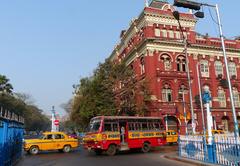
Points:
(34, 150)
(146, 147)
(66, 148)
(111, 150)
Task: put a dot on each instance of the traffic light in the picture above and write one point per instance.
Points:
(187, 4)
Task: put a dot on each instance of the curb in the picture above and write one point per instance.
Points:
(185, 160)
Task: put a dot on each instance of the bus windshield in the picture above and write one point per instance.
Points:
(94, 125)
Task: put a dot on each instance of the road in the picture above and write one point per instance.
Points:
(84, 158)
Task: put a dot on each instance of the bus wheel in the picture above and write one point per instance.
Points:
(98, 151)
(146, 147)
(111, 150)
(170, 143)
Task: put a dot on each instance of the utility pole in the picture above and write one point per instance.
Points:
(185, 41)
(197, 6)
(184, 110)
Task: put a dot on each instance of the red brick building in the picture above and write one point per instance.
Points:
(153, 46)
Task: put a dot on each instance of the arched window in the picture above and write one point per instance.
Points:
(221, 97)
(204, 68)
(166, 93)
(218, 68)
(182, 91)
(232, 69)
(166, 61)
(181, 63)
(236, 97)
(142, 65)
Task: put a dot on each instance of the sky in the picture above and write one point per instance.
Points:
(47, 46)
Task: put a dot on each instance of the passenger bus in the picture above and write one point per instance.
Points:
(121, 133)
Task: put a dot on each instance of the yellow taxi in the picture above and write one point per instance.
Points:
(50, 141)
(172, 136)
(218, 132)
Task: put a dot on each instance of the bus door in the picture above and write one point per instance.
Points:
(123, 132)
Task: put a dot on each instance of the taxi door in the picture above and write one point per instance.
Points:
(47, 142)
(58, 141)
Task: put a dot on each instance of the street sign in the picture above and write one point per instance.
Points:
(56, 122)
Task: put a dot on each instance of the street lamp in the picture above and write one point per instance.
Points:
(196, 6)
(177, 17)
(184, 108)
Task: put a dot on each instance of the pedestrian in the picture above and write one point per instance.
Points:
(122, 133)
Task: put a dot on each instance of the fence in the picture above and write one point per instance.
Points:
(225, 149)
(11, 137)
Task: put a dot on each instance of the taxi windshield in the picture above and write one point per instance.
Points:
(94, 125)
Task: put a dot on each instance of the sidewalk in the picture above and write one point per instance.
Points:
(174, 156)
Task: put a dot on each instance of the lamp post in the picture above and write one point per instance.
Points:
(177, 17)
(184, 109)
(196, 6)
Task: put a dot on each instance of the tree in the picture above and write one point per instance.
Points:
(21, 104)
(100, 94)
(5, 86)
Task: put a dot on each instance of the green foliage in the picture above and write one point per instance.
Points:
(101, 95)
(5, 86)
(35, 120)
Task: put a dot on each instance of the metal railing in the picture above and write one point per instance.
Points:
(225, 149)
(11, 137)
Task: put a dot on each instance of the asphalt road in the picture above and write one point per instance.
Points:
(84, 158)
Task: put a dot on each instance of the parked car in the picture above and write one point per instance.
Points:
(50, 141)
(172, 136)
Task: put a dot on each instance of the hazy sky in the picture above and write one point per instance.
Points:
(46, 46)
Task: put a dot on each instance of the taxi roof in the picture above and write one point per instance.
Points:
(53, 132)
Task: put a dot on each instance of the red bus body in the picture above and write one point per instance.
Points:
(138, 132)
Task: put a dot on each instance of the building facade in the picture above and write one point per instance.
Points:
(153, 47)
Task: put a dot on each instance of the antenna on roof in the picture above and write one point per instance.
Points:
(146, 3)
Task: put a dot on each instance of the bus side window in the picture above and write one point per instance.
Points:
(107, 127)
(115, 127)
(151, 126)
(131, 126)
(137, 126)
(157, 126)
(144, 126)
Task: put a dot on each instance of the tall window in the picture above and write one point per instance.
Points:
(236, 97)
(221, 97)
(157, 32)
(181, 63)
(164, 33)
(171, 34)
(182, 93)
(232, 69)
(142, 65)
(204, 68)
(166, 61)
(218, 68)
(177, 35)
(166, 93)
